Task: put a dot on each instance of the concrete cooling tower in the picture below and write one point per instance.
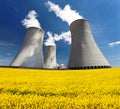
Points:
(85, 53)
(31, 54)
(50, 58)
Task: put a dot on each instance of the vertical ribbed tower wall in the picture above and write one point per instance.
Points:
(31, 54)
(85, 53)
(50, 57)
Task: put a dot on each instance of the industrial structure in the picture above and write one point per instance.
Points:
(50, 57)
(85, 53)
(31, 54)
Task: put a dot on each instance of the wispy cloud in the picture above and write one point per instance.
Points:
(66, 36)
(3, 43)
(112, 44)
(31, 20)
(66, 14)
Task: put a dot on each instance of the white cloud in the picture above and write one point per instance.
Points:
(66, 36)
(50, 40)
(66, 14)
(112, 44)
(31, 20)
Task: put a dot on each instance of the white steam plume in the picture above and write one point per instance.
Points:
(31, 20)
(66, 36)
(112, 44)
(66, 14)
(50, 40)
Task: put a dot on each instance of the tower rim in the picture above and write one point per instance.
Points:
(33, 27)
(78, 20)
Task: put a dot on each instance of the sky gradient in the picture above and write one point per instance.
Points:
(103, 16)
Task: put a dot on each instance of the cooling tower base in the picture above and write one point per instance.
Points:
(90, 67)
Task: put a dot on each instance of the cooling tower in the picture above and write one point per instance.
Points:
(31, 54)
(50, 58)
(85, 53)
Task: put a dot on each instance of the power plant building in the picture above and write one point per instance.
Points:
(50, 57)
(31, 54)
(85, 54)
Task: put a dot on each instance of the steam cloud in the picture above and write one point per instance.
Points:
(112, 44)
(66, 36)
(66, 14)
(50, 40)
(31, 20)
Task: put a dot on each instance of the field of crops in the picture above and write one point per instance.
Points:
(59, 89)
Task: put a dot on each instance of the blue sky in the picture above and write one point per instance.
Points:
(103, 16)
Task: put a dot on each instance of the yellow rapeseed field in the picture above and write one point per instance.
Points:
(59, 89)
